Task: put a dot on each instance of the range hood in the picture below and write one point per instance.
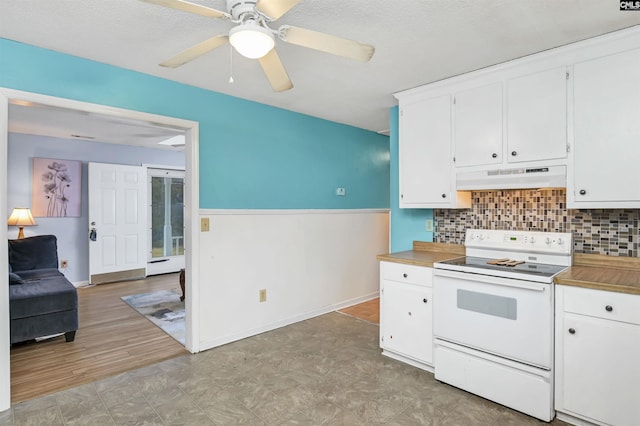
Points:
(517, 178)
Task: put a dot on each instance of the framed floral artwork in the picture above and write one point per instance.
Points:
(56, 188)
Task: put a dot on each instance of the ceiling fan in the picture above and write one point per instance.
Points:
(253, 38)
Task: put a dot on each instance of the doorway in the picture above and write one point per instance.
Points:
(165, 221)
(9, 97)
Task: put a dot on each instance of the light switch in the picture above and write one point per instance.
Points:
(204, 224)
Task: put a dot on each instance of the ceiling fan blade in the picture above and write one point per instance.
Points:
(275, 8)
(275, 72)
(196, 51)
(190, 7)
(326, 43)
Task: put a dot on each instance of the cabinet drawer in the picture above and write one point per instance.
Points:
(602, 304)
(399, 272)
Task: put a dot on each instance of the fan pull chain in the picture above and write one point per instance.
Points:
(230, 64)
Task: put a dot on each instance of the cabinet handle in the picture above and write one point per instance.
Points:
(582, 192)
(514, 153)
(424, 300)
(405, 275)
(608, 308)
(572, 331)
(409, 313)
(494, 155)
(444, 195)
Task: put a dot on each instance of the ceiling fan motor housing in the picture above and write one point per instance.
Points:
(240, 8)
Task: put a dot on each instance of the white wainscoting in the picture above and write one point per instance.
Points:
(310, 262)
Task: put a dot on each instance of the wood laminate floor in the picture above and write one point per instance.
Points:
(113, 338)
(368, 311)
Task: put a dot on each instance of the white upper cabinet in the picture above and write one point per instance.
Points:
(575, 107)
(534, 114)
(537, 116)
(426, 178)
(606, 128)
(478, 126)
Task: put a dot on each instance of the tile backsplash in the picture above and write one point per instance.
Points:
(613, 232)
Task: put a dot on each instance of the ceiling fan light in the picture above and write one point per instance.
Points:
(251, 40)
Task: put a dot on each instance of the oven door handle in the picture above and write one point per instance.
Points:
(485, 279)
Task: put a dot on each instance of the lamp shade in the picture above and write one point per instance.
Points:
(251, 40)
(21, 217)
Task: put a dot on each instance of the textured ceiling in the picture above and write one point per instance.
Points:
(417, 42)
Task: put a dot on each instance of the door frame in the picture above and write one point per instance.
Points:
(192, 201)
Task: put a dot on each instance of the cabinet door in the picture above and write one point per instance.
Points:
(606, 130)
(537, 116)
(601, 372)
(425, 152)
(406, 320)
(478, 126)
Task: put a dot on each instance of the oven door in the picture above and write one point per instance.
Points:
(501, 316)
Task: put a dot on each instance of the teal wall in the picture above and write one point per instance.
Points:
(252, 156)
(407, 225)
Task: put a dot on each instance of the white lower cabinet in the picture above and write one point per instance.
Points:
(598, 356)
(406, 331)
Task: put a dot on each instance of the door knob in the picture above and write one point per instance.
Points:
(93, 234)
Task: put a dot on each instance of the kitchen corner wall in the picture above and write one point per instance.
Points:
(613, 232)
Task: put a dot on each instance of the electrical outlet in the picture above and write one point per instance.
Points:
(64, 264)
(263, 295)
(341, 192)
(204, 224)
(428, 225)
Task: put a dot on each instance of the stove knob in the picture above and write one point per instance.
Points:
(547, 240)
(560, 241)
(532, 240)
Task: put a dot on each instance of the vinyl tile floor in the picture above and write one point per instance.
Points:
(325, 370)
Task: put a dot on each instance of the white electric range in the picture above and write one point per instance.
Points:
(493, 317)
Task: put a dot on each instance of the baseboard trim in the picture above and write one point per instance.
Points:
(210, 344)
(407, 360)
(131, 274)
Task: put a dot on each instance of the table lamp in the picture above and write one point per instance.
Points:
(21, 217)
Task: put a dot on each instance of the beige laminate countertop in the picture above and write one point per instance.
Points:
(598, 272)
(424, 254)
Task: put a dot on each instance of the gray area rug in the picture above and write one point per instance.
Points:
(163, 308)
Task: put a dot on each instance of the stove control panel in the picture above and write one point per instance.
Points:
(525, 241)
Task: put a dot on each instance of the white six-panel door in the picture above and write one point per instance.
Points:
(117, 214)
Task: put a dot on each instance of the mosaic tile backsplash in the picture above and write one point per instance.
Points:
(613, 232)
